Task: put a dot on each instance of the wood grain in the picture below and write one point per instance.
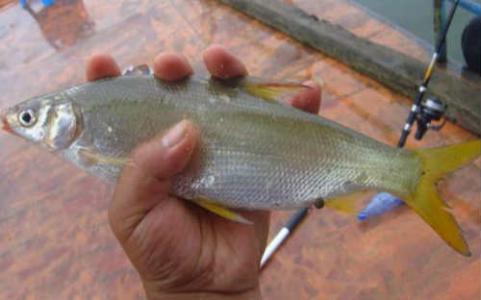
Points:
(55, 242)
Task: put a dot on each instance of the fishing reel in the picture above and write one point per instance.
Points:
(430, 110)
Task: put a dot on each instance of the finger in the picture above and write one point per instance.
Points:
(309, 100)
(145, 181)
(222, 64)
(101, 66)
(171, 67)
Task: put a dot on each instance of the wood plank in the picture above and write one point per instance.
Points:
(393, 69)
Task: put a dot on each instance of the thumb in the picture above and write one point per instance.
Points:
(145, 180)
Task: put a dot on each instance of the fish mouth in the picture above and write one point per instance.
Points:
(5, 124)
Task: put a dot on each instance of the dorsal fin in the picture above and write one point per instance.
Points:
(137, 70)
(273, 91)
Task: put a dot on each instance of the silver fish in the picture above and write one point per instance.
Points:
(254, 153)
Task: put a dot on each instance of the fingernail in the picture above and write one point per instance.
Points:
(310, 83)
(314, 82)
(175, 135)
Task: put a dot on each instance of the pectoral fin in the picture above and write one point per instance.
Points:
(92, 158)
(220, 210)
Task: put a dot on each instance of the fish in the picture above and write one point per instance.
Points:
(255, 152)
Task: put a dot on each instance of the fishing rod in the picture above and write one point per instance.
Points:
(423, 113)
(285, 231)
(435, 106)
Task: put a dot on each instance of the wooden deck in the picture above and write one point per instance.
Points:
(55, 242)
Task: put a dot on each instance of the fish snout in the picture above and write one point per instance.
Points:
(4, 120)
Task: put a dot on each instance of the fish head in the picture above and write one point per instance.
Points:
(49, 120)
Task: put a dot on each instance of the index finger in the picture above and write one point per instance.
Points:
(101, 66)
(171, 67)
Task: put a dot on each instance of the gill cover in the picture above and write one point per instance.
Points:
(50, 121)
(63, 126)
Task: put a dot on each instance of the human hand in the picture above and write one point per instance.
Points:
(180, 250)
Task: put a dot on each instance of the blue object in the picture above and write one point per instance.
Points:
(45, 3)
(48, 3)
(471, 6)
(381, 203)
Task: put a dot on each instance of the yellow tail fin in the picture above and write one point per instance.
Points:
(425, 199)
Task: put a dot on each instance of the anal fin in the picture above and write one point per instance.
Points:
(347, 203)
(220, 210)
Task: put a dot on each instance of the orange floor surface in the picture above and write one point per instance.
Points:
(55, 241)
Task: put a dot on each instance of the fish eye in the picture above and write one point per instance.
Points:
(27, 118)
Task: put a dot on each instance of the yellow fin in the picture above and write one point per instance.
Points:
(347, 203)
(220, 210)
(274, 92)
(92, 158)
(440, 161)
(425, 200)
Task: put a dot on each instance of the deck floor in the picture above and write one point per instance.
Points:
(55, 242)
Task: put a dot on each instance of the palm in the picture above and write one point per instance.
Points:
(201, 249)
